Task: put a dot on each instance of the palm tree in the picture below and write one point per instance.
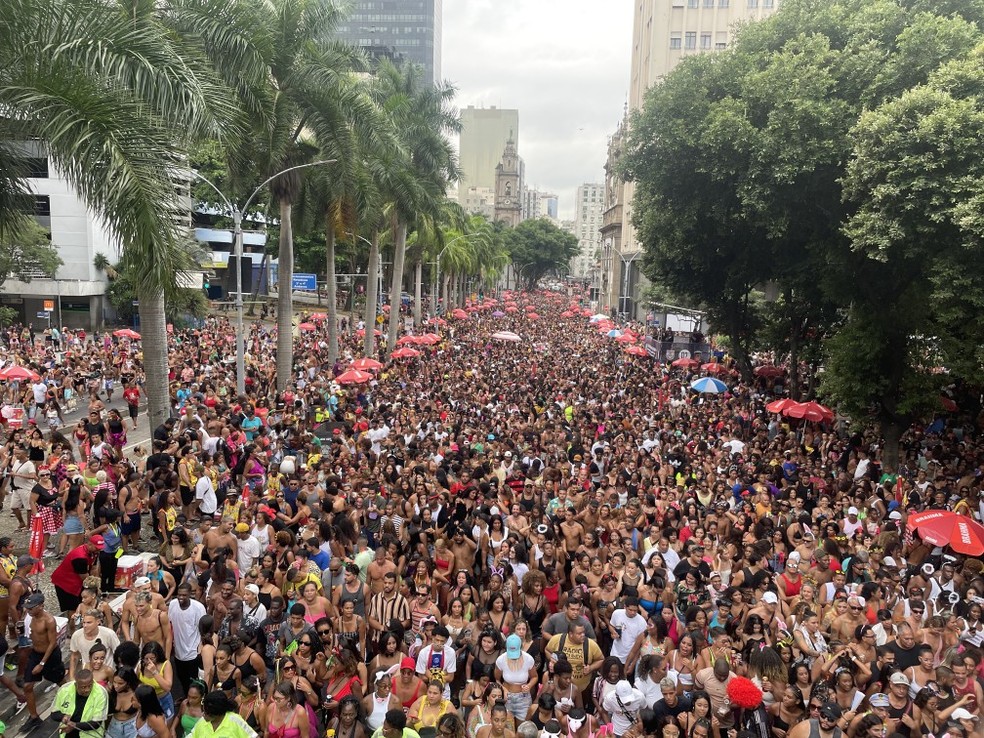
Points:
(423, 117)
(117, 95)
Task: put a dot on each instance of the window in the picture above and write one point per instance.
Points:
(720, 45)
(705, 40)
(692, 3)
(675, 41)
(691, 40)
(724, 3)
(42, 206)
(753, 3)
(768, 3)
(37, 167)
(708, 3)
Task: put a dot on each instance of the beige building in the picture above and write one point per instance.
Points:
(663, 33)
(484, 133)
(588, 209)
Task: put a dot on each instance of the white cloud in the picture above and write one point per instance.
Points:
(564, 64)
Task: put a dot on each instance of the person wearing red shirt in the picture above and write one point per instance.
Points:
(131, 393)
(67, 578)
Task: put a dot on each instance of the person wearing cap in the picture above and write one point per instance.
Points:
(970, 722)
(827, 724)
(68, 576)
(248, 548)
(44, 659)
(621, 707)
(898, 693)
(516, 671)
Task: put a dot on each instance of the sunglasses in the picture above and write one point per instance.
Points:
(856, 608)
(324, 633)
(288, 667)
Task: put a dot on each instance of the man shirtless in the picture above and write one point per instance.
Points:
(44, 660)
(464, 550)
(572, 531)
(843, 626)
(378, 568)
(221, 537)
(129, 614)
(151, 624)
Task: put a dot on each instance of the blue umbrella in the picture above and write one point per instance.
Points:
(614, 333)
(709, 386)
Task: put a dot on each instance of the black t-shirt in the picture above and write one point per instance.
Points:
(905, 658)
(93, 428)
(685, 566)
(663, 710)
(45, 496)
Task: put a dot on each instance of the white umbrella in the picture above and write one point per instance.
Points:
(506, 336)
(598, 317)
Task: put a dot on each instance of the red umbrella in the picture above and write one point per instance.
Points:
(428, 339)
(567, 314)
(307, 326)
(945, 528)
(780, 405)
(438, 321)
(362, 332)
(587, 312)
(318, 317)
(686, 363)
(127, 333)
(812, 411)
(532, 316)
(714, 368)
(769, 371)
(459, 314)
(353, 376)
(512, 309)
(406, 340)
(948, 404)
(635, 350)
(365, 364)
(626, 338)
(405, 353)
(17, 373)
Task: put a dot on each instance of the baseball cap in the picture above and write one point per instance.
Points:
(890, 562)
(141, 581)
(962, 714)
(514, 646)
(895, 515)
(35, 600)
(831, 711)
(899, 678)
(408, 663)
(770, 598)
(852, 510)
(879, 700)
(252, 588)
(242, 528)
(96, 540)
(624, 690)
(25, 560)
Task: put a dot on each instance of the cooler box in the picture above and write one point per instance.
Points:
(128, 569)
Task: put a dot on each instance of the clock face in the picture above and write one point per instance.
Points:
(507, 201)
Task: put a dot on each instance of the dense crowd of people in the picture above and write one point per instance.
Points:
(491, 539)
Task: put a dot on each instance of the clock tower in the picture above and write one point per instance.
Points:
(508, 183)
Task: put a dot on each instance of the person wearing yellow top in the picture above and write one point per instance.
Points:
(220, 719)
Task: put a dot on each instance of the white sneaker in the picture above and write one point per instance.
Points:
(20, 706)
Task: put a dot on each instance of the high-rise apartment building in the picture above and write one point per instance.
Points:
(401, 30)
(484, 133)
(588, 207)
(538, 204)
(663, 33)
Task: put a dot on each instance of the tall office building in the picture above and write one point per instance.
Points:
(588, 209)
(663, 33)
(400, 30)
(484, 134)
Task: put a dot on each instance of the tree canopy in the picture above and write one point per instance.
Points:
(832, 153)
(539, 248)
(26, 252)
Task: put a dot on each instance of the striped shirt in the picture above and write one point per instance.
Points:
(384, 609)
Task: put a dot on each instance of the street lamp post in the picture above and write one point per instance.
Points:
(437, 271)
(626, 267)
(237, 225)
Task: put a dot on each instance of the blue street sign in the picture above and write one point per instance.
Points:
(44, 314)
(307, 282)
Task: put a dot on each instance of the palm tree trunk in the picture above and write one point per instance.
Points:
(371, 294)
(251, 310)
(418, 294)
(396, 291)
(153, 331)
(285, 301)
(445, 292)
(331, 294)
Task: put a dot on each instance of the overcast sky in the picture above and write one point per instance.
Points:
(564, 64)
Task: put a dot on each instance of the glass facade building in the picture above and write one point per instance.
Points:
(400, 30)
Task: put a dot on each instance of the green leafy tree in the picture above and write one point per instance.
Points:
(26, 251)
(538, 248)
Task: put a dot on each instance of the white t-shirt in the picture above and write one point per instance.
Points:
(81, 645)
(623, 712)
(427, 659)
(515, 676)
(631, 628)
(205, 494)
(247, 552)
(184, 625)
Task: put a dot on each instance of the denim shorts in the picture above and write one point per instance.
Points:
(518, 704)
(73, 526)
(126, 729)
